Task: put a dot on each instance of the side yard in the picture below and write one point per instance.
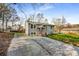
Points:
(67, 38)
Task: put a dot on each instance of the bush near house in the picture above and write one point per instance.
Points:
(67, 38)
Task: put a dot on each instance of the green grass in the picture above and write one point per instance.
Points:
(18, 34)
(65, 37)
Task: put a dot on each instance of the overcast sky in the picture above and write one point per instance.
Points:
(69, 10)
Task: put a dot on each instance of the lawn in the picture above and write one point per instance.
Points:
(67, 38)
(18, 34)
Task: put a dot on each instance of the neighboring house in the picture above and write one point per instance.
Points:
(38, 29)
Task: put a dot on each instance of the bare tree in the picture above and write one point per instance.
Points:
(59, 23)
(39, 17)
(36, 7)
(46, 21)
(3, 10)
(6, 12)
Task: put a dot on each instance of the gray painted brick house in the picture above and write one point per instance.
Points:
(38, 28)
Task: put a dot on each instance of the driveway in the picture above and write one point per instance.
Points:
(40, 46)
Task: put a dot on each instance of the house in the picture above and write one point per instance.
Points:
(38, 28)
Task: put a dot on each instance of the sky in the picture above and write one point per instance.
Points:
(50, 10)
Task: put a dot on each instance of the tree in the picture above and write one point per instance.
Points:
(46, 21)
(36, 7)
(59, 23)
(30, 18)
(6, 12)
(39, 17)
(68, 25)
(7, 18)
(3, 10)
(14, 19)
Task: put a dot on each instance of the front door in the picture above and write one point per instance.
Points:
(41, 31)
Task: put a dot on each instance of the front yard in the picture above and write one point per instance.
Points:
(67, 38)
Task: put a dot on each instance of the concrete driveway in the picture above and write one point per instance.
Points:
(40, 46)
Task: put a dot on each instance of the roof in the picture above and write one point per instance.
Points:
(39, 23)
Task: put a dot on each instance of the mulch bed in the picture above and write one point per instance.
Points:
(5, 39)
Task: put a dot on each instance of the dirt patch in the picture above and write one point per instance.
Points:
(5, 39)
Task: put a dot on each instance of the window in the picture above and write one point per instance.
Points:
(51, 27)
(31, 25)
(34, 26)
(33, 33)
(38, 29)
(44, 25)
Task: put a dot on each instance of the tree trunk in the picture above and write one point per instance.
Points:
(12, 23)
(6, 23)
(2, 21)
